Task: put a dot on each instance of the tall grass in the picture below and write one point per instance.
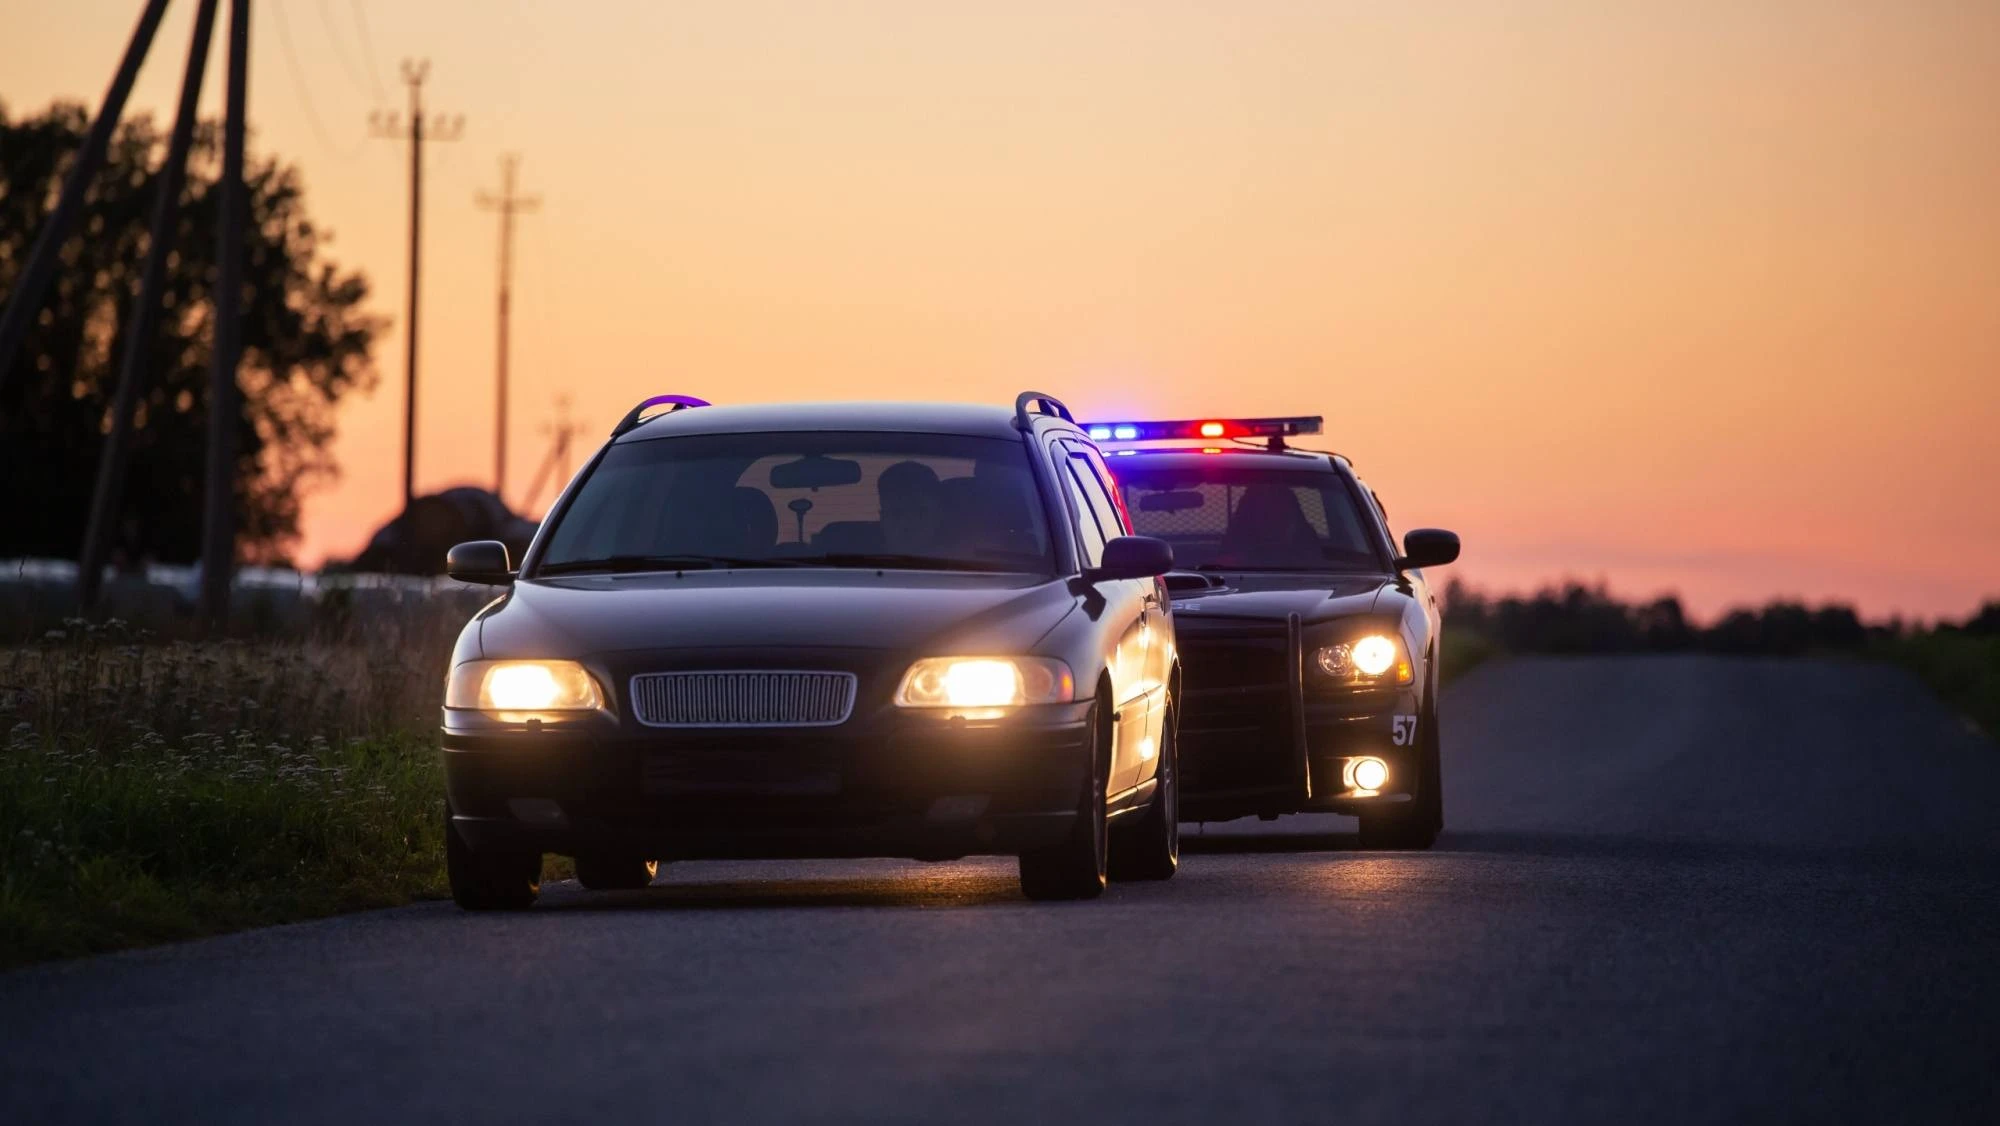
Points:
(157, 789)
(1962, 668)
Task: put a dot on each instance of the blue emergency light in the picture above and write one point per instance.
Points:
(1154, 431)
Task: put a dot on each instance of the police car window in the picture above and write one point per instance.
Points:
(808, 498)
(1252, 519)
(1090, 533)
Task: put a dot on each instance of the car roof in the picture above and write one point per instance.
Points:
(975, 420)
(1226, 457)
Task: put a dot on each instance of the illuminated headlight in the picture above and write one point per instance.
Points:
(985, 682)
(523, 686)
(1374, 654)
(1364, 660)
(1368, 774)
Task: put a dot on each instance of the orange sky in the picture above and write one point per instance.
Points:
(1687, 295)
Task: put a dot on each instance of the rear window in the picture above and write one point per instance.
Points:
(805, 497)
(1224, 518)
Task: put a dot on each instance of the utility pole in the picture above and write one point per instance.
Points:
(218, 525)
(32, 286)
(508, 205)
(141, 322)
(440, 128)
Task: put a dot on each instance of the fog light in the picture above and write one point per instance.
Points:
(1368, 773)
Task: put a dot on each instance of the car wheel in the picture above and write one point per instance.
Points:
(1414, 827)
(487, 881)
(1075, 868)
(615, 873)
(1151, 849)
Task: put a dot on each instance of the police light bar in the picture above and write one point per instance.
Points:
(1140, 431)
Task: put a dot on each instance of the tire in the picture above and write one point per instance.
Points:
(1075, 868)
(615, 873)
(1416, 826)
(484, 881)
(1151, 848)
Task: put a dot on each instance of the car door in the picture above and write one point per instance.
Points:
(1134, 618)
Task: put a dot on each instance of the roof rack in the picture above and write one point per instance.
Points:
(672, 402)
(1049, 405)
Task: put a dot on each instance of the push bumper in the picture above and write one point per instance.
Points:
(1254, 740)
(895, 783)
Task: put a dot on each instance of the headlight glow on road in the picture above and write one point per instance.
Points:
(982, 683)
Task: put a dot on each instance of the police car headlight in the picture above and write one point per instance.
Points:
(523, 686)
(1365, 659)
(985, 682)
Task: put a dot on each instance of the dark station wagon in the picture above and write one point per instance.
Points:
(832, 630)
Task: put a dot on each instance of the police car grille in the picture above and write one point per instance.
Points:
(743, 699)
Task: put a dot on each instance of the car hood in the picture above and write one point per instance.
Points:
(1312, 597)
(577, 616)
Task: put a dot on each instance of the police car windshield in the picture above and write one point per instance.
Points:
(1224, 518)
(805, 499)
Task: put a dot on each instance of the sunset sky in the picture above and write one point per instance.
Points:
(1698, 296)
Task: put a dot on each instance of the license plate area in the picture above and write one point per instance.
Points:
(701, 773)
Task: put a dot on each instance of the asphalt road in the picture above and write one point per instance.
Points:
(1671, 890)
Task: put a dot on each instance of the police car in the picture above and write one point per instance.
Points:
(1308, 636)
(818, 631)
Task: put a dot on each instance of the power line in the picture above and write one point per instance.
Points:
(508, 204)
(440, 128)
(368, 51)
(303, 88)
(333, 42)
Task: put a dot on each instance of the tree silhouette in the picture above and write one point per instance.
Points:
(306, 343)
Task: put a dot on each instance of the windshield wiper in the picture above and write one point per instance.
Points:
(896, 560)
(619, 564)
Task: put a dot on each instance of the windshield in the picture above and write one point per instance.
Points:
(1238, 519)
(805, 498)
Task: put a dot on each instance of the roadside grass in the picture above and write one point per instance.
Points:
(1962, 668)
(165, 840)
(152, 791)
(1463, 649)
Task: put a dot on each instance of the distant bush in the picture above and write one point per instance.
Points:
(1576, 618)
(1961, 662)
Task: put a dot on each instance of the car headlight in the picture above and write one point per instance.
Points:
(1365, 660)
(985, 682)
(523, 686)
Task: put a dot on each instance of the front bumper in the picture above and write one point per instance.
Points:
(1257, 738)
(890, 783)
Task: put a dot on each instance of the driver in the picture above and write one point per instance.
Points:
(912, 501)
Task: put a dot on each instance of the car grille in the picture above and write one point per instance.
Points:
(748, 698)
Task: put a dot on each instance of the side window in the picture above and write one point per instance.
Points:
(1106, 491)
(1381, 516)
(1089, 534)
(1091, 479)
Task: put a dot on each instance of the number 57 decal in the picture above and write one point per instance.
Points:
(1403, 730)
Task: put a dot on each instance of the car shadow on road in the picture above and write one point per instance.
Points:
(1224, 844)
(915, 891)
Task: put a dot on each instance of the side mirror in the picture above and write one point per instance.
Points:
(1428, 547)
(1132, 557)
(481, 561)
